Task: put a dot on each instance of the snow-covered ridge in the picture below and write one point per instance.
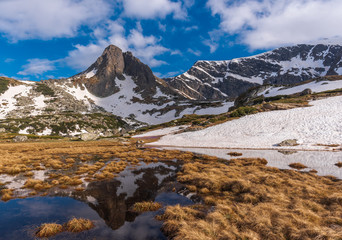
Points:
(313, 127)
(285, 65)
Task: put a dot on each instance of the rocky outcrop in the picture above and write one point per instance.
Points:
(103, 77)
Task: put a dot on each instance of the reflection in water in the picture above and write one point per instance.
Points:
(322, 161)
(109, 201)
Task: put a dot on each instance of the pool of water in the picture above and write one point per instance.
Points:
(106, 203)
(322, 161)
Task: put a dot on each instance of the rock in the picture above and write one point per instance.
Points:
(288, 142)
(89, 136)
(20, 138)
(2, 130)
(306, 92)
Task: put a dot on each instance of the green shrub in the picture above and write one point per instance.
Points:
(243, 111)
(45, 90)
(3, 85)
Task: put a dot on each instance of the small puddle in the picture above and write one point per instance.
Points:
(106, 203)
(321, 161)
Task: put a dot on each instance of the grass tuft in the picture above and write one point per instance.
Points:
(298, 166)
(76, 225)
(48, 230)
(146, 206)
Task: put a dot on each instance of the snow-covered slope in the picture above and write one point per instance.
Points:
(285, 65)
(127, 103)
(314, 86)
(311, 126)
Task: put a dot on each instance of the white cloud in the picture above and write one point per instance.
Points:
(191, 28)
(9, 60)
(168, 74)
(150, 9)
(47, 19)
(195, 52)
(37, 67)
(264, 24)
(147, 48)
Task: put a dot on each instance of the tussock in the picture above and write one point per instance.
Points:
(79, 225)
(48, 230)
(146, 206)
(244, 199)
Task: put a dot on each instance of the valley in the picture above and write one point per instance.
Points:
(247, 148)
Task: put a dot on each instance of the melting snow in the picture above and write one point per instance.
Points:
(318, 124)
(319, 86)
(91, 73)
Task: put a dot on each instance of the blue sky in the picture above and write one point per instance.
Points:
(41, 39)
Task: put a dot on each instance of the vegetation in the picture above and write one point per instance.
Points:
(297, 166)
(244, 199)
(70, 164)
(48, 230)
(146, 206)
(243, 111)
(235, 154)
(44, 89)
(79, 225)
(3, 85)
(74, 225)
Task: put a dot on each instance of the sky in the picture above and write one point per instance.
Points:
(42, 39)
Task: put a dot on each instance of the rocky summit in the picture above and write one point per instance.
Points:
(216, 80)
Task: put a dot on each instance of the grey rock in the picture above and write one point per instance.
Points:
(306, 92)
(89, 137)
(288, 143)
(2, 130)
(20, 138)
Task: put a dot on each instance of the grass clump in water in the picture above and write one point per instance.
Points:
(298, 166)
(146, 206)
(48, 230)
(76, 225)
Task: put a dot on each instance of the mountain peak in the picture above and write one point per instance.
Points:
(103, 77)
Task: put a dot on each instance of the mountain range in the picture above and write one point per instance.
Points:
(120, 84)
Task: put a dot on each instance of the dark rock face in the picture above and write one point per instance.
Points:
(103, 77)
(109, 66)
(142, 75)
(215, 80)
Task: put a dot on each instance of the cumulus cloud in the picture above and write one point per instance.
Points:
(150, 9)
(37, 67)
(262, 24)
(47, 19)
(147, 48)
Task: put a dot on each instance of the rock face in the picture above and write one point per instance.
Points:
(104, 76)
(286, 65)
(108, 67)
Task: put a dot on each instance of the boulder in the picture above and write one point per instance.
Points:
(89, 136)
(288, 143)
(2, 130)
(306, 91)
(20, 138)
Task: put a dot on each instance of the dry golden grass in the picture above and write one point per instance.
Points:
(146, 206)
(7, 194)
(48, 230)
(235, 154)
(298, 166)
(79, 225)
(244, 199)
(67, 163)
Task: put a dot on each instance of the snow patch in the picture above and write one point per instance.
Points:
(318, 124)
